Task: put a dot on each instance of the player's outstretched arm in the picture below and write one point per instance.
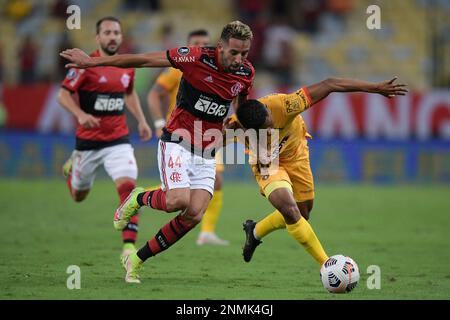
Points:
(386, 88)
(79, 59)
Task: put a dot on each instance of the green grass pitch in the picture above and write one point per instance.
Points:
(405, 230)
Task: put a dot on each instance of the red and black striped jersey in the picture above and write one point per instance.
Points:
(101, 93)
(205, 92)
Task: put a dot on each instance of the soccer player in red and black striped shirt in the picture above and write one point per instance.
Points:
(212, 78)
(97, 98)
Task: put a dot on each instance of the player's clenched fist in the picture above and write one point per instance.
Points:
(145, 133)
(88, 121)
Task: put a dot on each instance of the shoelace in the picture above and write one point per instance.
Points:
(134, 272)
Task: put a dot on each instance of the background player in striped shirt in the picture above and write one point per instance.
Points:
(97, 98)
(162, 100)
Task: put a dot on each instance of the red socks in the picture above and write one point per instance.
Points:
(69, 183)
(166, 236)
(155, 199)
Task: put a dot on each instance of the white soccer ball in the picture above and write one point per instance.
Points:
(339, 274)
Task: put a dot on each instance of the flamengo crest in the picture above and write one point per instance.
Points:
(236, 89)
(125, 80)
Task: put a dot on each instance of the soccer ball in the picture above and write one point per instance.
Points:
(339, 274)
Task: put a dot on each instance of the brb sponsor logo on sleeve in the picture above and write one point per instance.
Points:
(105, 103)
(182, 55)
(73, 75)
(206, 105)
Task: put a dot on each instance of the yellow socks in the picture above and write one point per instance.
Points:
(272, 222)
(212, 214)
(304, 234)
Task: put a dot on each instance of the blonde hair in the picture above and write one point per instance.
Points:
(238, 30)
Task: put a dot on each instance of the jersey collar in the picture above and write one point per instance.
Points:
(218, 63)
(96, 53)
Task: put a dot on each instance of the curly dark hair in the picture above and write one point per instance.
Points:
(252, 114)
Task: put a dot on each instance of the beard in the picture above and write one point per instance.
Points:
(109, 51)
(229, 67)
(234, 68)
(226, 67)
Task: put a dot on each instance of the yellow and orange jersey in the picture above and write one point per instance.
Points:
(170, 80)
(292, 152)
(285, 111)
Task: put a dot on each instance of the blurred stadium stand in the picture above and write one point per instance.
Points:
(414, 34)
(296, 43)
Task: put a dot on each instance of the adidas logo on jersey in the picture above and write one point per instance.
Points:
(209, 79)
(102, 79)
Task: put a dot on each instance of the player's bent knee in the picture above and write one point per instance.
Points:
(305, 214)
(305, 208)
(291, 213)
(177, 202)
(194, 220)
(195, 212)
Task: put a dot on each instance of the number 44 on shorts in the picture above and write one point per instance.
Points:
(177, 163)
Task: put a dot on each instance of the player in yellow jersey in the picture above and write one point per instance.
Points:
(162, 97)
(290, 187)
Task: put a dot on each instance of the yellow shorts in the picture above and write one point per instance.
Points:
(296, 171)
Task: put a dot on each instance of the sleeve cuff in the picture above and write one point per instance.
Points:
(307, 95)
(68, 89)
(170, 59)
